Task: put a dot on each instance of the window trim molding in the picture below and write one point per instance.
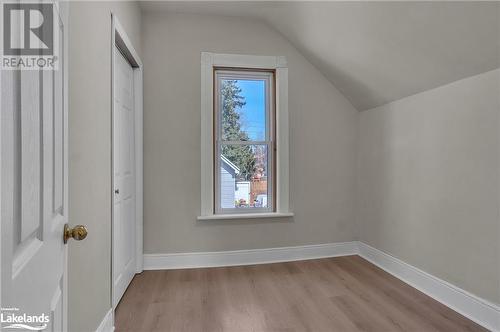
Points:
(279, 65)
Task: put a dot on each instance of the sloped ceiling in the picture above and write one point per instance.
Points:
(377, 52)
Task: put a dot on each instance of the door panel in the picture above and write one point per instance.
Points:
(34, 189)
(30, 156)
(58, 141)
(124, 176)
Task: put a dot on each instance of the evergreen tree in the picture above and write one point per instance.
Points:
(240, 155)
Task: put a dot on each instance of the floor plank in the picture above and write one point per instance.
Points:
(334, 294)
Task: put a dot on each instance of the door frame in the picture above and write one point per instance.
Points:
(120, 39)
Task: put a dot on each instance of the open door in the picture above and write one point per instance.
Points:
(34, 196)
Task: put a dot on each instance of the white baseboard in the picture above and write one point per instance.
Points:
(247, 257)
(107, 323)
(476, 309)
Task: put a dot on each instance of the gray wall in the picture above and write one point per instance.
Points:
(428, 184)
(322, 140)
(90, 154)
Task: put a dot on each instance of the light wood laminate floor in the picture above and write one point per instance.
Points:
(334, 294)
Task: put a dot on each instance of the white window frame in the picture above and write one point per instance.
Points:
(269, 141)
(278, 64)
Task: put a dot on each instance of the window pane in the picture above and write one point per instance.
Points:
(244, 180)
(243, 109)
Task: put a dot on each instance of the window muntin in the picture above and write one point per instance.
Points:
(244, 146)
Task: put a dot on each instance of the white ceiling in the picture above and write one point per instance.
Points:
(377, 52)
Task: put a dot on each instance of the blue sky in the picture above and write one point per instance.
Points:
(253, 114)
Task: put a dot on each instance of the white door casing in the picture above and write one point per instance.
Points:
(124, 220)
(34, 196)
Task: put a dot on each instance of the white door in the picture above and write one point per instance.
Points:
(124, 176)
(34, 195)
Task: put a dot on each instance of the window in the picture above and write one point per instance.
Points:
(244, 136)
(244, 141)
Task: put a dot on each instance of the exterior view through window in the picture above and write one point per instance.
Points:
(244, 141)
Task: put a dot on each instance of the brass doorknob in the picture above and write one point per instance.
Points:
(79, 232)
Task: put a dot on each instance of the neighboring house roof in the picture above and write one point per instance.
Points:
(230, 164)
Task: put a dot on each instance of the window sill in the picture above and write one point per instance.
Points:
(246, 216)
